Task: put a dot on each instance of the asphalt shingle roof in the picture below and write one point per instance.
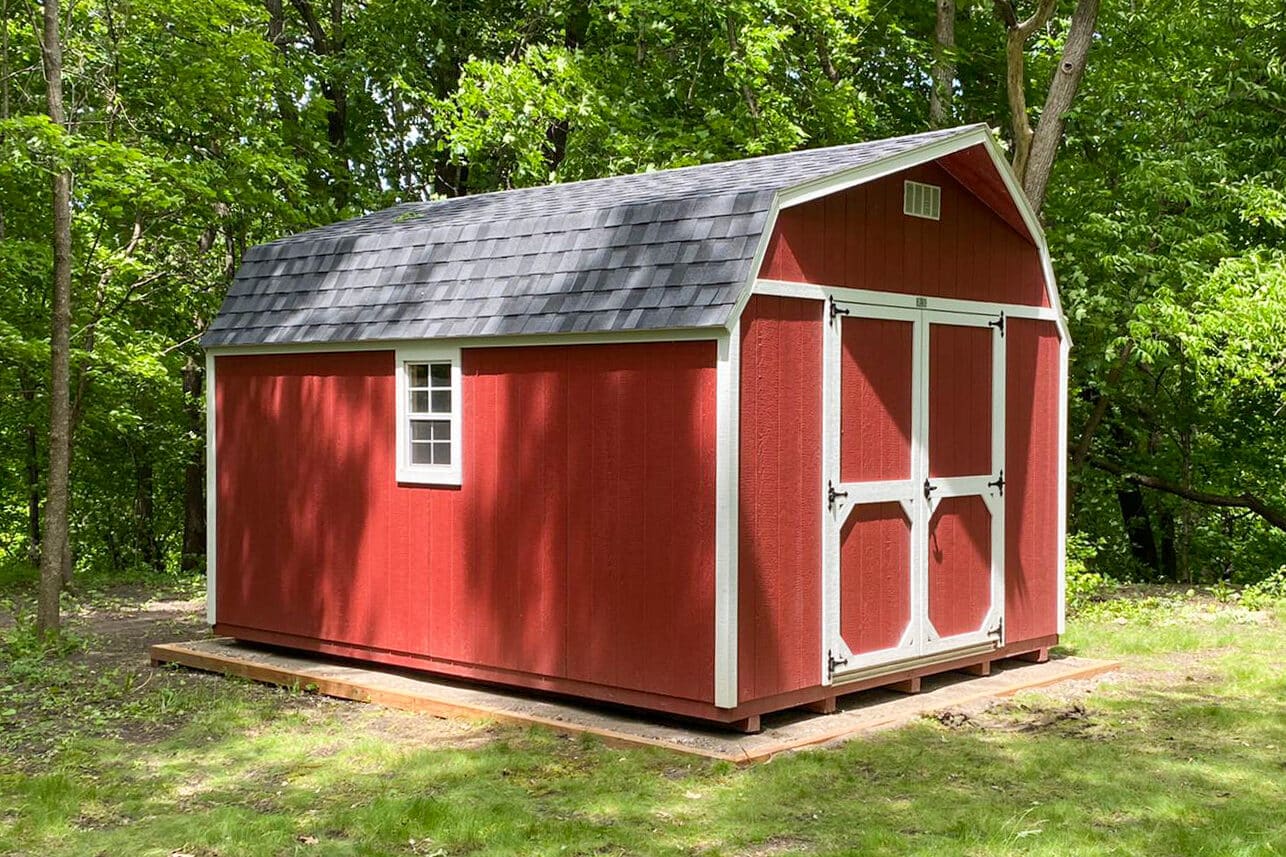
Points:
(666, 249)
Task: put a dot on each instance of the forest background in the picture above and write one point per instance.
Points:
(1149, 135)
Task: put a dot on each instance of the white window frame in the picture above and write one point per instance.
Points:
(428, 474)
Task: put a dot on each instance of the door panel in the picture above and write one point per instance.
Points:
(914, 526)
(959, 566)
(876, 360)
(875, 583)
(960, 369)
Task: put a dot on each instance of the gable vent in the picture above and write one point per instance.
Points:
(922, 200)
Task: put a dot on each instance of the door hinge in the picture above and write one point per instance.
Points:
(832, 494)
(836, 309)
(998, 484)
(999, 324)
(833, 662)
(997, 630)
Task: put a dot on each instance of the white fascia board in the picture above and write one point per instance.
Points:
(609, 338)
(1037, 232)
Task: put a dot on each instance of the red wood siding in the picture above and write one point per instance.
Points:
(779, 579)
(875, 579)
(959, 400)
(875, 399)
(859, 238)
(1031, 479)
(959, 565)
(588, 492)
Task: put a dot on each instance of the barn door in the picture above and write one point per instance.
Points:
(914, 534)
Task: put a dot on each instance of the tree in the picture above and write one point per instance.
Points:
(55, 540)
(1034, 149)
(944, 66)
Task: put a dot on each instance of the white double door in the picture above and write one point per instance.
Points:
(914, 532)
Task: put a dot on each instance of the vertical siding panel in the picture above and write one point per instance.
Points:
(779, 526)
(1031, 480)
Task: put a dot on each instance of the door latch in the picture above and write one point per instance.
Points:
(832, 494)
(834, 662)
(998, 484)
(929, 488)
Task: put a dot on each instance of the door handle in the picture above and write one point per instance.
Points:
(832, 494)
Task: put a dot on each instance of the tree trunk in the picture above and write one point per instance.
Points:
(1138, 527)
(58, 484)
(1062, 91)
(194, 472)
(145, 515)
(1034, 150)
(575, 28)
(944, 64)
(1169, 546)
(334, 87)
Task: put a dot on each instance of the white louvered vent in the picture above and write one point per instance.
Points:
(922, 200)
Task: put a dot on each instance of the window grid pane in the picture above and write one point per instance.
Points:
(431, 442)
(430, 402)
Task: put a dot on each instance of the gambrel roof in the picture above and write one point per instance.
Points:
(661, 250)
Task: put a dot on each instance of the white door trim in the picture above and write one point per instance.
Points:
(920, 639)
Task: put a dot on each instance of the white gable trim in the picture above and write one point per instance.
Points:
(887, 166)
(881, 167)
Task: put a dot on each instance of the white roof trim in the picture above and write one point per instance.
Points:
(887, 166)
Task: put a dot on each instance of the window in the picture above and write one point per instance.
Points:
(428, 416)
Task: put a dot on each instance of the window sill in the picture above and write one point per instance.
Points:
(442, 476)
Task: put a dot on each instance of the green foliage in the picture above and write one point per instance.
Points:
(204, 126)
(1083, 586)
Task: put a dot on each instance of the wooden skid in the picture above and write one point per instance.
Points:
(780, 733)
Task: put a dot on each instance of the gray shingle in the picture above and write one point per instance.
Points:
(664, 249)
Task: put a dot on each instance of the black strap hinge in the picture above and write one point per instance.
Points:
(999, 324)
(998, 484)
(833, 662)
(832, 494)
(836, 309)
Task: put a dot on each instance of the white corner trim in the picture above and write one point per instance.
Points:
(211, 493)
(428, 474)
(1064, 350)
(726, 568)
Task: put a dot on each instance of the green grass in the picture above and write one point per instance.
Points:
(1183, 754)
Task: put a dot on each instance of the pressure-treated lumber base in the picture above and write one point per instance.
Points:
(857, 712)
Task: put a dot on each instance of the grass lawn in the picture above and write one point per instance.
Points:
(1182, 752)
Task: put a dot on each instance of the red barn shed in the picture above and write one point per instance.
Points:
(712, 441)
